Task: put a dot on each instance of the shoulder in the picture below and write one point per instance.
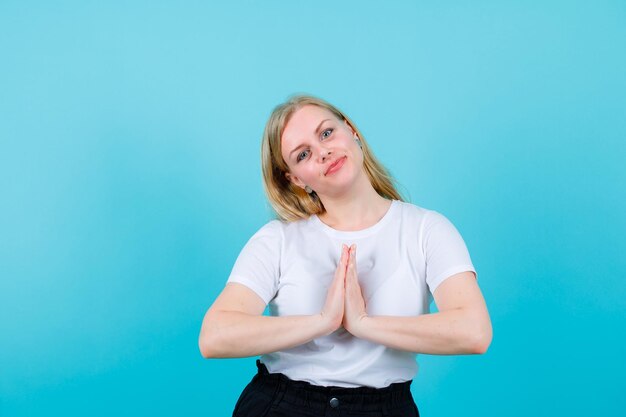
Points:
(279, 229)
(411, 208)
(413, 212)
(422, 213)
(424, 222)
(271, 227)
(272, 231)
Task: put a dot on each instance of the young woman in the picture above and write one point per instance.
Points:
(348, 270)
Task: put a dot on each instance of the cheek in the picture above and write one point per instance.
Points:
(304, 171)
(357, 157)
(310, 171)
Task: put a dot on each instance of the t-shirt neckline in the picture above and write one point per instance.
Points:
(353, 234)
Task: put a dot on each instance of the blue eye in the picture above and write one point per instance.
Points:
(329, 131)
(299, 158)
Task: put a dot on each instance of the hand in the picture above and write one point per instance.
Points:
(355, 303)
(332, 313)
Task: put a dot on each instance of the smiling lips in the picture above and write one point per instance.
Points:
(335, 166)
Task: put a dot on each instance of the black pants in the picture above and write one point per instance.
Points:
(275, 395)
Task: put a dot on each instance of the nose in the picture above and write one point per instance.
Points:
(324, 153)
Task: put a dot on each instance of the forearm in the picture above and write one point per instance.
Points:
(228, 334)
(450, 332)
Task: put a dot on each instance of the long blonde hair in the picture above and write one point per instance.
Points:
(289, 201)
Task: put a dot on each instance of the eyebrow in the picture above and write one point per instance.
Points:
(316, 132)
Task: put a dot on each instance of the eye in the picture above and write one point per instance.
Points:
(326, 133)
(301, 156)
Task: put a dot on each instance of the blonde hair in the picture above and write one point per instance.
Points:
(289, 201)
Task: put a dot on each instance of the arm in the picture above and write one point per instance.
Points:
(462, 325)
(235, 327)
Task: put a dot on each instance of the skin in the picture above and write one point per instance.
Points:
(234, 325)
(350, 201)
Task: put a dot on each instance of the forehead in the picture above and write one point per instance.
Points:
(303, 123)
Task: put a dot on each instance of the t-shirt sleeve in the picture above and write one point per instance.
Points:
(445, 251)
(258, 264)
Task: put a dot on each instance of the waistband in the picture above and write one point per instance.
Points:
(305, 394)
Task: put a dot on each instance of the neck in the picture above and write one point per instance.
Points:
(357, 209)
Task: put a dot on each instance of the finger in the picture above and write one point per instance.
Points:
(352, 283)
(343, 261)
(352, 263)
(346, 254)
(352, 251)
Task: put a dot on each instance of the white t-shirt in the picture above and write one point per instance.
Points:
(400, 262)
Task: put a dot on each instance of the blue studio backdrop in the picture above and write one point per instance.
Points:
(130, 180)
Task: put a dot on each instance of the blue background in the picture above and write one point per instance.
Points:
(130, 180)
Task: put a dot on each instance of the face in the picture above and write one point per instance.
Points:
(320, 151)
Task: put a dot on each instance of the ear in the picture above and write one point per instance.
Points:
(295, 180)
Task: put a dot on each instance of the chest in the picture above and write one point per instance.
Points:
(390, 274)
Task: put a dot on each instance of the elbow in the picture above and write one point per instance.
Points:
(205, 350)
(209, 342)
(478, 333)
(481, 340)
(209, 346)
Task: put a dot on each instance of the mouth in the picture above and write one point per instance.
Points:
(335, 166)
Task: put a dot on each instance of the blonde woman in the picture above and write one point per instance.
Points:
(348, 270)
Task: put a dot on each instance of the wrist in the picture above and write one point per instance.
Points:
(360, 325)
(325, 325)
